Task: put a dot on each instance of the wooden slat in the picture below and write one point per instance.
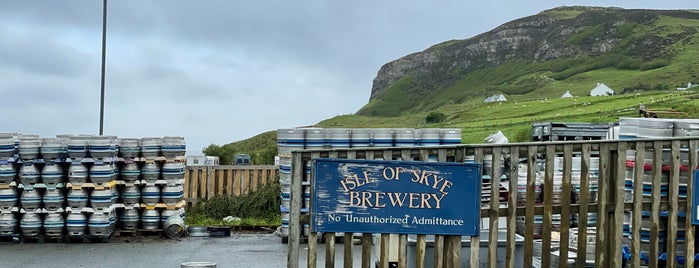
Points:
(475, 240)
(655, 209)
(329, 250)
(494, 206)
(602, 198)
(347, 243)
(565, 198)
(210, 180)
(220, 175)
(366, 251)
(512, 208)
(547, 227)
(439, 251)
(584, 201)
(530, 201)
(229, 182)
(690, 231)
(312, 250)
(187, 180)
(295, 211)
(617, 182)
(196, 181)
(454, 259)
(637, 199)
(420, 247)
(402, 250)
(238, 182)
(673, 195)
(385, 248)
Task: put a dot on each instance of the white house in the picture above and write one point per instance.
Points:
(689, 85)
(601, 90)
(567, 94)
(202, 160)
(495, 98)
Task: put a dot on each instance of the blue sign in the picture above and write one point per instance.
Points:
(695, 198)
(398, 197)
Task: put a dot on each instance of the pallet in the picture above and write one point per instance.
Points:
(139, 233)
(87, 239)
(9, 238)
(90, 185)
(41, 239)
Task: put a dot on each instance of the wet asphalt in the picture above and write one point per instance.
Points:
(239, 250)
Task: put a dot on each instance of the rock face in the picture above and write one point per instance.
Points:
(565, 32)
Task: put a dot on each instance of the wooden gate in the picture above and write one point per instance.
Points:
(202, 182)
(635, 190)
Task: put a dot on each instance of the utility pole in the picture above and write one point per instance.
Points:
(104, 45)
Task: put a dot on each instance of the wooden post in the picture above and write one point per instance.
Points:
(295, 210)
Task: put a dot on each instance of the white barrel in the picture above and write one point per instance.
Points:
(404, 137)
(52, 173)
(150, 172)
(150, 219)
(77, 198)
(52, 148)
(150, 195)
(30, 224)
(7, 145)
(29, 174)
(339, 137)
(315, 138)
(54, 222)
(102, 147)
(8, 223)
(497, 138)
(174, 226)
(129, 147)
(130, 172)
(173, 147)
(382, 137)
(289, 140)
(77, 173)
(7, 173)
(76, 146)
(30, 199)
(8, 198)
(173, 172)
(53, 199)
(150, 147)
(685, 128)
(654, 128)
(102, 199)
(100, 223)
(129, 219)
(451, 136)
(102, 173)
(76, 223)
(198, 264)
(29, 146)
(130, 195)
(171, 194)
(428, 136)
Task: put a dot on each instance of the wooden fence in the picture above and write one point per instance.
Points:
(202, 182)
(650, 202)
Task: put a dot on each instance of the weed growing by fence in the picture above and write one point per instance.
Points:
(257, 208)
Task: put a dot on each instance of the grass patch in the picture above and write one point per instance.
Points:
(260, 208)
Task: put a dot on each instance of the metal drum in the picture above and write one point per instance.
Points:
(102, 173)
(339, 137)
(685, 128)
(174, 225)
(451, 136)
(130, 172)
(29, 145)
(77, 198)
(76, 146)
(150, 172)
(654, 128)
(360, 137)
(102, 199)
(171, 194)
(53, 199)
(100, 224)
(150, 194)
(77, 173)
(7, 173)
(102, 147)
(29, 174)
(54, 223)
(7, 145)
(150, 219)
(315, 138)
(30, 224)
(76, 223)
(382, 137)
(289, 140)
(428, 137)
(150, 147)
(173, 172)
(129, 147)
(52, 148)
(129, 219)
(404, 137)
(30, 199)
(173, 147)
(8, 198)
(130, 195)
(8, 223)
(52, 174)
(167, 213)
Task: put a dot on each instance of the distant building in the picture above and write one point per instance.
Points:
(601, 90)
(567, 94)
(495, 98)
(242, 159)
(202, 160)
(689, 85)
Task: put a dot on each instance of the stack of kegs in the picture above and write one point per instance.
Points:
(9, 199)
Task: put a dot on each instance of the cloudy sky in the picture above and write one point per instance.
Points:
(219, 71)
